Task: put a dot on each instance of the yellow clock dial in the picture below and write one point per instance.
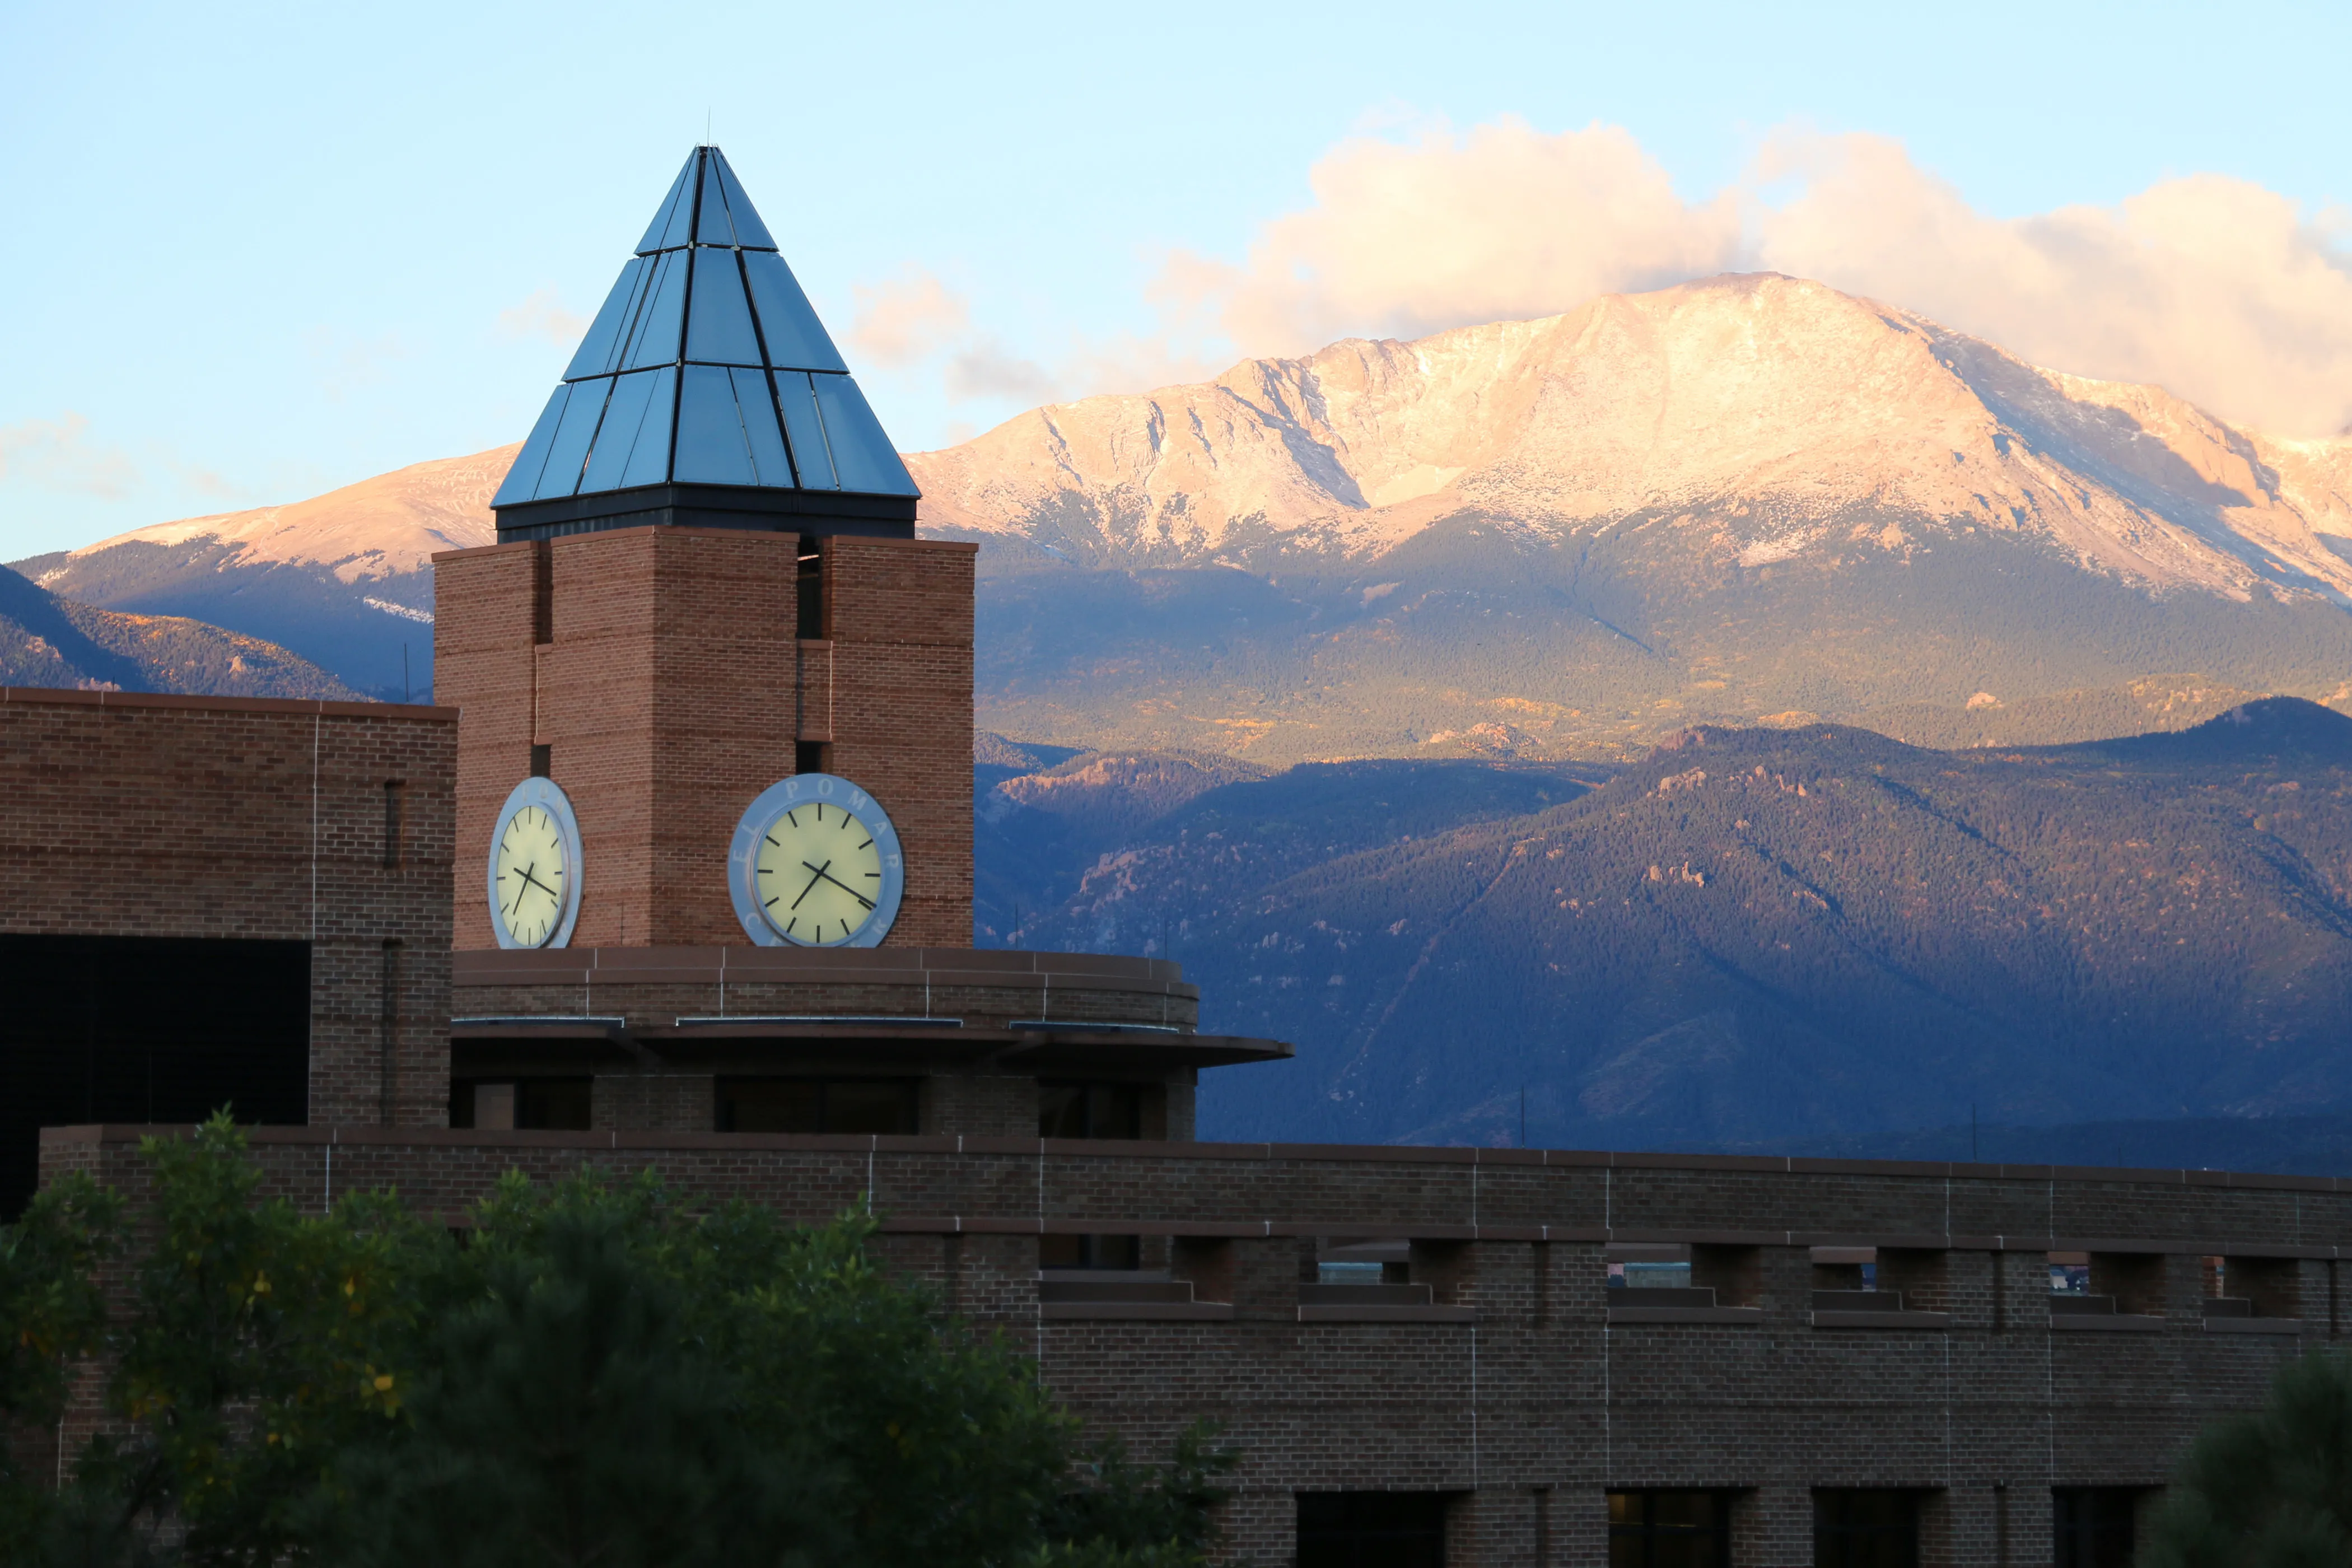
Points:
(818, 872)
(528, 876)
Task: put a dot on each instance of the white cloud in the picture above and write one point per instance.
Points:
(987, 369)
(1503, 221)
(905, 319)
(2220, 291)
(57, 453)
(541, 315)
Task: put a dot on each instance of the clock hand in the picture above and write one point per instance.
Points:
(535, 882)
(825, 872)
(811, 883)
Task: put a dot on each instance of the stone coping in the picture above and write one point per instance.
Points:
(808, 965)
(1501, 1160)
(74, 697)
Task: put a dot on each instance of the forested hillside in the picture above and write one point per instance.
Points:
(46, 641)
(1764, 934)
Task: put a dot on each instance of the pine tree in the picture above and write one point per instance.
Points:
(2271, 1490)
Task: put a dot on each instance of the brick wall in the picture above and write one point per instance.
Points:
(140, 814)
(662, 666)
(1536, 1408)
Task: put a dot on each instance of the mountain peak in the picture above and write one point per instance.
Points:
(1762, 415)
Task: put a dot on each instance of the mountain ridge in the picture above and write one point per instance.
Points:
(1750, 500)
(49, 641)
(1752, 937)
(1639, 405)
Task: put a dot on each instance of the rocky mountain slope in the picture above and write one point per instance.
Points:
(46, 641)
(343, 579)
(1752, 497)
(1757, 934)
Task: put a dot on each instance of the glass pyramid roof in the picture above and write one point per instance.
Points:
(706, 366)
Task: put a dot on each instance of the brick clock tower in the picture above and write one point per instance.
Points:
(714, 775)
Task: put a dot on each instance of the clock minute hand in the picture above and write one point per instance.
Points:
(525, 875)
(812, 882)
(825, 872)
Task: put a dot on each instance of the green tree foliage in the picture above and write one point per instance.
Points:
(52, 1313)
(595, 1376)
(2272, 1489)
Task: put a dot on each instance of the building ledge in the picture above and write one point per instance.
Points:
(1360, 1313)
(2254, 1325)
(1136, 1311)
(2105, 1322)
(1734, 1317)
(1930, 1323)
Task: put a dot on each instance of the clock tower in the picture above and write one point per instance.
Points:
(707, 582)
(714, 788)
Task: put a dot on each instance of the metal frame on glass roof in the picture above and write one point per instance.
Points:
(706, 391)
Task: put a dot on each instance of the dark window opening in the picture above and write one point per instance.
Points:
(522, 1105)
(542, 758)
(1089, 1252)
(809, 757)
(392, 811)
(2093, 1526)
(886, 1106)
(811, 586)
(1670, 1529)
(1371, 1530)
(146, 1029)
(1089, 1110)
(542, 594)
(1858, 1529)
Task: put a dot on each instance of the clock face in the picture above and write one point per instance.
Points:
(530, 875)
(534, 872)
(815, 863)
(819, 872)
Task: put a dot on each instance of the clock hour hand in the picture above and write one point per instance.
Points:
(812, 882)
(826, 872)
(525, 875)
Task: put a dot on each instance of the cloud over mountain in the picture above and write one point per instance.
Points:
(2223, 292)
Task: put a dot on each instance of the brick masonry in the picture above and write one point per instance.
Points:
(139, 815)
(1536, 1407)
(663, 670)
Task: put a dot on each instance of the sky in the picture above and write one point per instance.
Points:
(257, 252)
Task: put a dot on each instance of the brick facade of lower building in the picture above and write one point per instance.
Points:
(1505, 1375)
(129, 816)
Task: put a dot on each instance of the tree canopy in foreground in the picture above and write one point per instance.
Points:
(591, 1375)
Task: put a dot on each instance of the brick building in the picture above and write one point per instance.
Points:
(707, 621)
(208, 899)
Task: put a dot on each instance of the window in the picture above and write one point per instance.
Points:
(858, 1106)
(1669, 1529)
(810, 602)
(1363, 1263)
(1649, 1267)
(2093, 1526)
(1853, 1529)
(127, 1028)
(1371, 1530)
(1089, 1110)
(1089, 1252)
(530, 1104)
(392, 790)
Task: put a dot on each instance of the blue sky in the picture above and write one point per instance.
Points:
(260, 251)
